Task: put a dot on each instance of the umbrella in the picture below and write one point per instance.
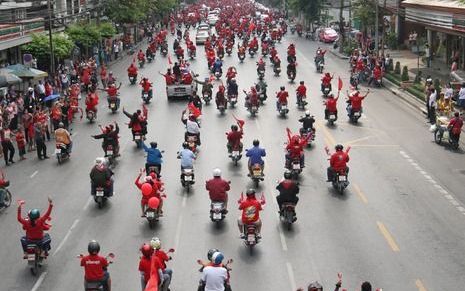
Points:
(7, 78)
(25, 72)
(51, 97)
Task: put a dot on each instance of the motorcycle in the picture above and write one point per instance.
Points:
(222, 107)
(152, 216)
(221, 55)
(320, 65)
(96, 285)
(6, 195)
(304, 133)
(235, 155)
(308, 34)
(291, 75)
(265, 51)
(113, 104)
(192, 54)
(292, 29)
(150, 58)
(332, 118)
(378, 82)
(61, 152)
(218, 74)
(299, 32)
(261, 73)
(207, 97)
(355, 115)
(326, 90)
(250, 237)
(232, 99)
(229, 51)
(288, 215)
(301, 102)
(241, 57)
(277, 71)
(354, 80)
(100, 197)
(91, 115)
(35, 256)
(187, 178)
(217, 211)
(138, 137)
(164, 51)
(252, 52)
(132, 80)
(145, 97)
(441, 132)
(340, 182)
(257, 174)
(110, 154)
(283, 110)
(141, 63)
(295, 167)
(192, 142)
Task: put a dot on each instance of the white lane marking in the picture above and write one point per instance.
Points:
(66, 237)
(87, 203)
(443, 191)
(423, 173)
(33, 174)
(177, 237)
(428, 177)
(454, 202)
(448, 197)
(39, 282)
(281, 234)
(258, 124)
(184, 201)
(439, 187)
(461, 209)
(290, 273)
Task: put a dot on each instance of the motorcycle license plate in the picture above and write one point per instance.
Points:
(257, 172)
(254, 108)
(284, 107)
(296, 166)
(57, 151)
(99, 193)
(342, 178)
(217, 215)
(31, 257)
(150, 214)
(251, 238)
(109, 152)
(357, 114)
(235, 153)
(180, 90)
(187, 178)
(233, 99)
(137, 137)
(332, 116)
(112, 105)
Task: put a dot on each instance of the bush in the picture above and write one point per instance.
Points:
(437, 85)
(391, 40)
(397, 68)
(404, 76)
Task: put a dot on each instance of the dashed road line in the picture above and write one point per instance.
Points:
(420, 285)
(290, 273)
(387, 235)
(39, 281)
(33, 174)
(87, 203)
(66, 237)
(360, 194)
(177, 236)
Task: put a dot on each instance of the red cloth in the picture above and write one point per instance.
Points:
(356, 101)
(155, 191)
(251, 208)
(163, 257)
(376, 73)
(94, 267)
(331, 104)
(295, 150)
(91, 101)
(217, 189)
(146, 85)
(20, 140)
(234, 138)
(140, 56)
(145, 265)
(282, 97)
(35, 232)
(112, 91)
(132, 71)
(456, 125)
(326, 80)
(152, 284)
(48, 89)
(291, 51)
(339, 161)
(302, 90)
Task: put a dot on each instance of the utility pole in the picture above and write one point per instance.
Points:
(383, 37)
(50, 37)
(377, 28)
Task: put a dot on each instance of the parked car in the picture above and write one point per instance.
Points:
(328, 35)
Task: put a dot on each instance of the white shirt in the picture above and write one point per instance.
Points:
(214, 278)
(432, 99)
(41, 88)
(462, 93)
(192, 127)
(448, 93)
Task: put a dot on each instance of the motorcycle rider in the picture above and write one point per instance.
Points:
(288, 190)
(455, 127)
(320, 55)
(192, 129)
(231, 74)
(138, 122)
(141, 56)
(255, 155)
(338, 163)
(217, 66)
(146, 87)
(220, 99)
(251, 208)
(101, 176)
(302, 93)
(218, 189)
(307, 122)
(163, 257)
(260, 66)
(234, 138)
(233, 89)
(291, 69)
(331, 105)
(207, 86)
(261, 88)
(282, 98)
(376, 74)
(295, 149)
(95, 266)
(187, 158)
(112, 92)
(157, 187)
(91, 102)
(62, 136)
(35, 226)
(110, 137)
(354, 102)
(215, 276)
(145, 264)
(154, 157)
(326, 81)
(291, 53)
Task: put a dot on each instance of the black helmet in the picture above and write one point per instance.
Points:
(301, 82)
(366, 286)
(234, 127)
(153, 145)
(315, 286)
(250, 192)
(33, 214)
(456, 114)
(211, 252)
(256, 142)
(339, 147)
(185, 145)
(287, 174)
(93, 247)
(282, 88)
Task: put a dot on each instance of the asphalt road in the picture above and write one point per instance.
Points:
(400, 224)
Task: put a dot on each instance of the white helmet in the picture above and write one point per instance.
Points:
(155, 243)
(99, 161)
(216, 172)
(307, 113)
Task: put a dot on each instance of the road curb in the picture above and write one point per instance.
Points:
(337, 54)
(407, 97)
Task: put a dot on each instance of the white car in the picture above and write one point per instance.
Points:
(201, 36)
(212, 20)
(203, 26)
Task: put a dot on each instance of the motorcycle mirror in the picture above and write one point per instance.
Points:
(111, 255)
(171, 250)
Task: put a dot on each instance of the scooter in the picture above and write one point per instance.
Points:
(301, 102)
(291, 75)
(35, 256)
(152, 216)
(217, 211)
(187, 178)
(277, 71)
(145, 97)
(91, 115)
(110, 154)
(257, 174)
(354, 115)
(326, 91)
(241, 57)
(235, 155)
(331, 118)
(100, 197)
(61, 152)
(441, 132)
(113, 104)
(340, 182)
(96, 285)
(232, 99)
(132, 80)
(138, 137)
(207, 97)
(288, 215)
(283, 110)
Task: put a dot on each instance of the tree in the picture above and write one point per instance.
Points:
(363, 11)
(39, 47)
(106, 29)
(311, 9)
(85, 35)
(127, 11)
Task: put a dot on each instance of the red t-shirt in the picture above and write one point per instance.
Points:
(339, 161)
(146, 86)
(234, 138)
(250, 210)
(331, 104)
(356, 102)
(217, 189)
(112, 91)
(145, 265)
(302, 90)
(163, 257)
(94, 267)
(282, 97)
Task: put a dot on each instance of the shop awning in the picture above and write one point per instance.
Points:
(7, 78)
(25, 72)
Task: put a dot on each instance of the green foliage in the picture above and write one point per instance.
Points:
(397, 68)
(391, 40)
(163, 6)
(106, 29)
(39, 47)
(84, 34)
(364, 12)
(128, 11)
(404, 76)
(311, 9)
(349, 46)
(437, 85)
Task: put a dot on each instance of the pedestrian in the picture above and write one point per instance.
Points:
(461, 98)
(39, 136)
(7, 145)
(64, 79)
(428, 55)
(21, 143)
(432, 106)
(116, 49)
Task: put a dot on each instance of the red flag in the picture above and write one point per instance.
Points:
(289, 134)
(240, 122)
(169, 60)
(339, 84)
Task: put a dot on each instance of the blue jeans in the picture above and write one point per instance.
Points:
(44, 243)
(103, 282)
(167, 277)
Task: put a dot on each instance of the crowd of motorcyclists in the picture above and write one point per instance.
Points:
(234, 25)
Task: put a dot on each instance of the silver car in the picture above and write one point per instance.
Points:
(201, 36)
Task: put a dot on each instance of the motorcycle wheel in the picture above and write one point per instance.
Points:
(7, 199)
(152, 223)
(35, 268)
(99, 202)
(437, 136)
